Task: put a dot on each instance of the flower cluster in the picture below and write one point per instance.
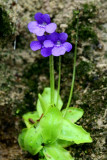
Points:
(51, 42)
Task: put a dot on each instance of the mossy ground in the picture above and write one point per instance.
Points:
(6, 28)
(86, 16)
(25, 74)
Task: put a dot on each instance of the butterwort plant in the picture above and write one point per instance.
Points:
(50, 129)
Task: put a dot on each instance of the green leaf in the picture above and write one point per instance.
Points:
(51, 124)
(21, 138)
(31, 118)
(42, 103)
(64, 143)
(73, 114)
(56, 152)
(46, 97)
(72, 132)
(33, 140)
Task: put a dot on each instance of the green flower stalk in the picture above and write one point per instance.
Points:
(51, 60)
(74, 67)
(59, 79)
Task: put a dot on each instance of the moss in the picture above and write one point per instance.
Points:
(89, 11)
(83, 68)
(105, 55)
(97, 81)
(31, 75)
(86, 32)
(87, 51)
(6, 27)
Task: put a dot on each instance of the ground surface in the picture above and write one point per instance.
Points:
(23, 73)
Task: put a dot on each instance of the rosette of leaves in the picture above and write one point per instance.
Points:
(49, 131)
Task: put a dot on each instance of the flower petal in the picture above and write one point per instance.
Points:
(50, 28)
(38, 17)
(35, 45)
(63, 37)
(57, 51)
(39, 31)
(41, 38)
(46, 18)
(48, 43)
(68, 46)
(53, 37)
(32, 25)
(46, 52)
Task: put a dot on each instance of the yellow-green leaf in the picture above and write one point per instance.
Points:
(33, 140)
(72, 132)
(31, 118)
(51, 124)
(56, 152)
(46, 101)
(64, 143)
(21, 138)
(73, 114)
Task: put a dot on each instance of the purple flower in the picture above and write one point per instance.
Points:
(41, 25)
(58, 42)
(36, 45)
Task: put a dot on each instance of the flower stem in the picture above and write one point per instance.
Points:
(59, 79)
(74, 69)
(51, 60)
